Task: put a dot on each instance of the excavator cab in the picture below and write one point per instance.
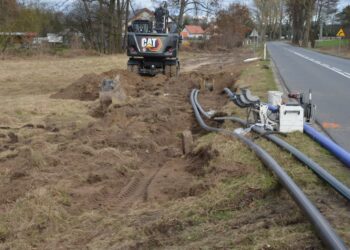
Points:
(141, 26)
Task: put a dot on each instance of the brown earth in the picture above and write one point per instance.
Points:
(148, 125)
(129, 156)
(87, 87)
(120, 179)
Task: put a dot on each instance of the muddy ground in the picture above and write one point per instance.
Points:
(121, 179)
(125, 158)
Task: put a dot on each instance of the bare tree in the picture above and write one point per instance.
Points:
(344, 16)
(120, 11)
(309, 7)
(301, 13)
(32, 17)
(102, 40)
(127, 9)
(8, 12)
(233, 24)
(111, 14)
(101, 21)
(182, 7)
(324, 9)
(268, 17)
(83, 16)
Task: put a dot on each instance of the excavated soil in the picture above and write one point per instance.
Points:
(128, 156)
(87, 87)
(109, 180)
(74, 185)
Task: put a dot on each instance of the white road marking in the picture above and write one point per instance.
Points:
(334, 69)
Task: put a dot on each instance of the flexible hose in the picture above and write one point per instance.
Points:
(232, 95)
(321, 172)
(339, 152)
(204, 113)
(229, 92)
(331, 146)
(316, 168)
(324, 230)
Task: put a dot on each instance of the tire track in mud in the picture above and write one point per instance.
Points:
(145, 194)
(127, 192)
(136, 190)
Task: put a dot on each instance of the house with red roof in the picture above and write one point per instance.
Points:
(192, 32)
(141, 14)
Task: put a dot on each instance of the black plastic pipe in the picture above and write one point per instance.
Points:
(204, 113)
(323, 228)
(316, 168)
(340, 153)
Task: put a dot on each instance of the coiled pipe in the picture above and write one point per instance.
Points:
(316, 168)
(323, 228)
(339, 152)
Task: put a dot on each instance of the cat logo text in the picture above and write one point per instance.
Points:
(151, 44)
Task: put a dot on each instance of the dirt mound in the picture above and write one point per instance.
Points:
(87, 87)
(200, 160)
(131, 154)
(127, 158)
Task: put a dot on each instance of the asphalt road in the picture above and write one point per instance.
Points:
(329, 79)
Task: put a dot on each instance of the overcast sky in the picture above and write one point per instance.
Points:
(248, 2)
(226, 2)
(149, 4)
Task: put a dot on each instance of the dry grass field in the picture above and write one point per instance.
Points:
(25, 86)
(73, 178)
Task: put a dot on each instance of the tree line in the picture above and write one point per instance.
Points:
(103, 23)
(33, 17)
(302, 21)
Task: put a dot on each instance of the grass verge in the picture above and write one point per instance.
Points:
(315, 188)
(235, 203)
(249, 209)
(334, 47)
(331, 43)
